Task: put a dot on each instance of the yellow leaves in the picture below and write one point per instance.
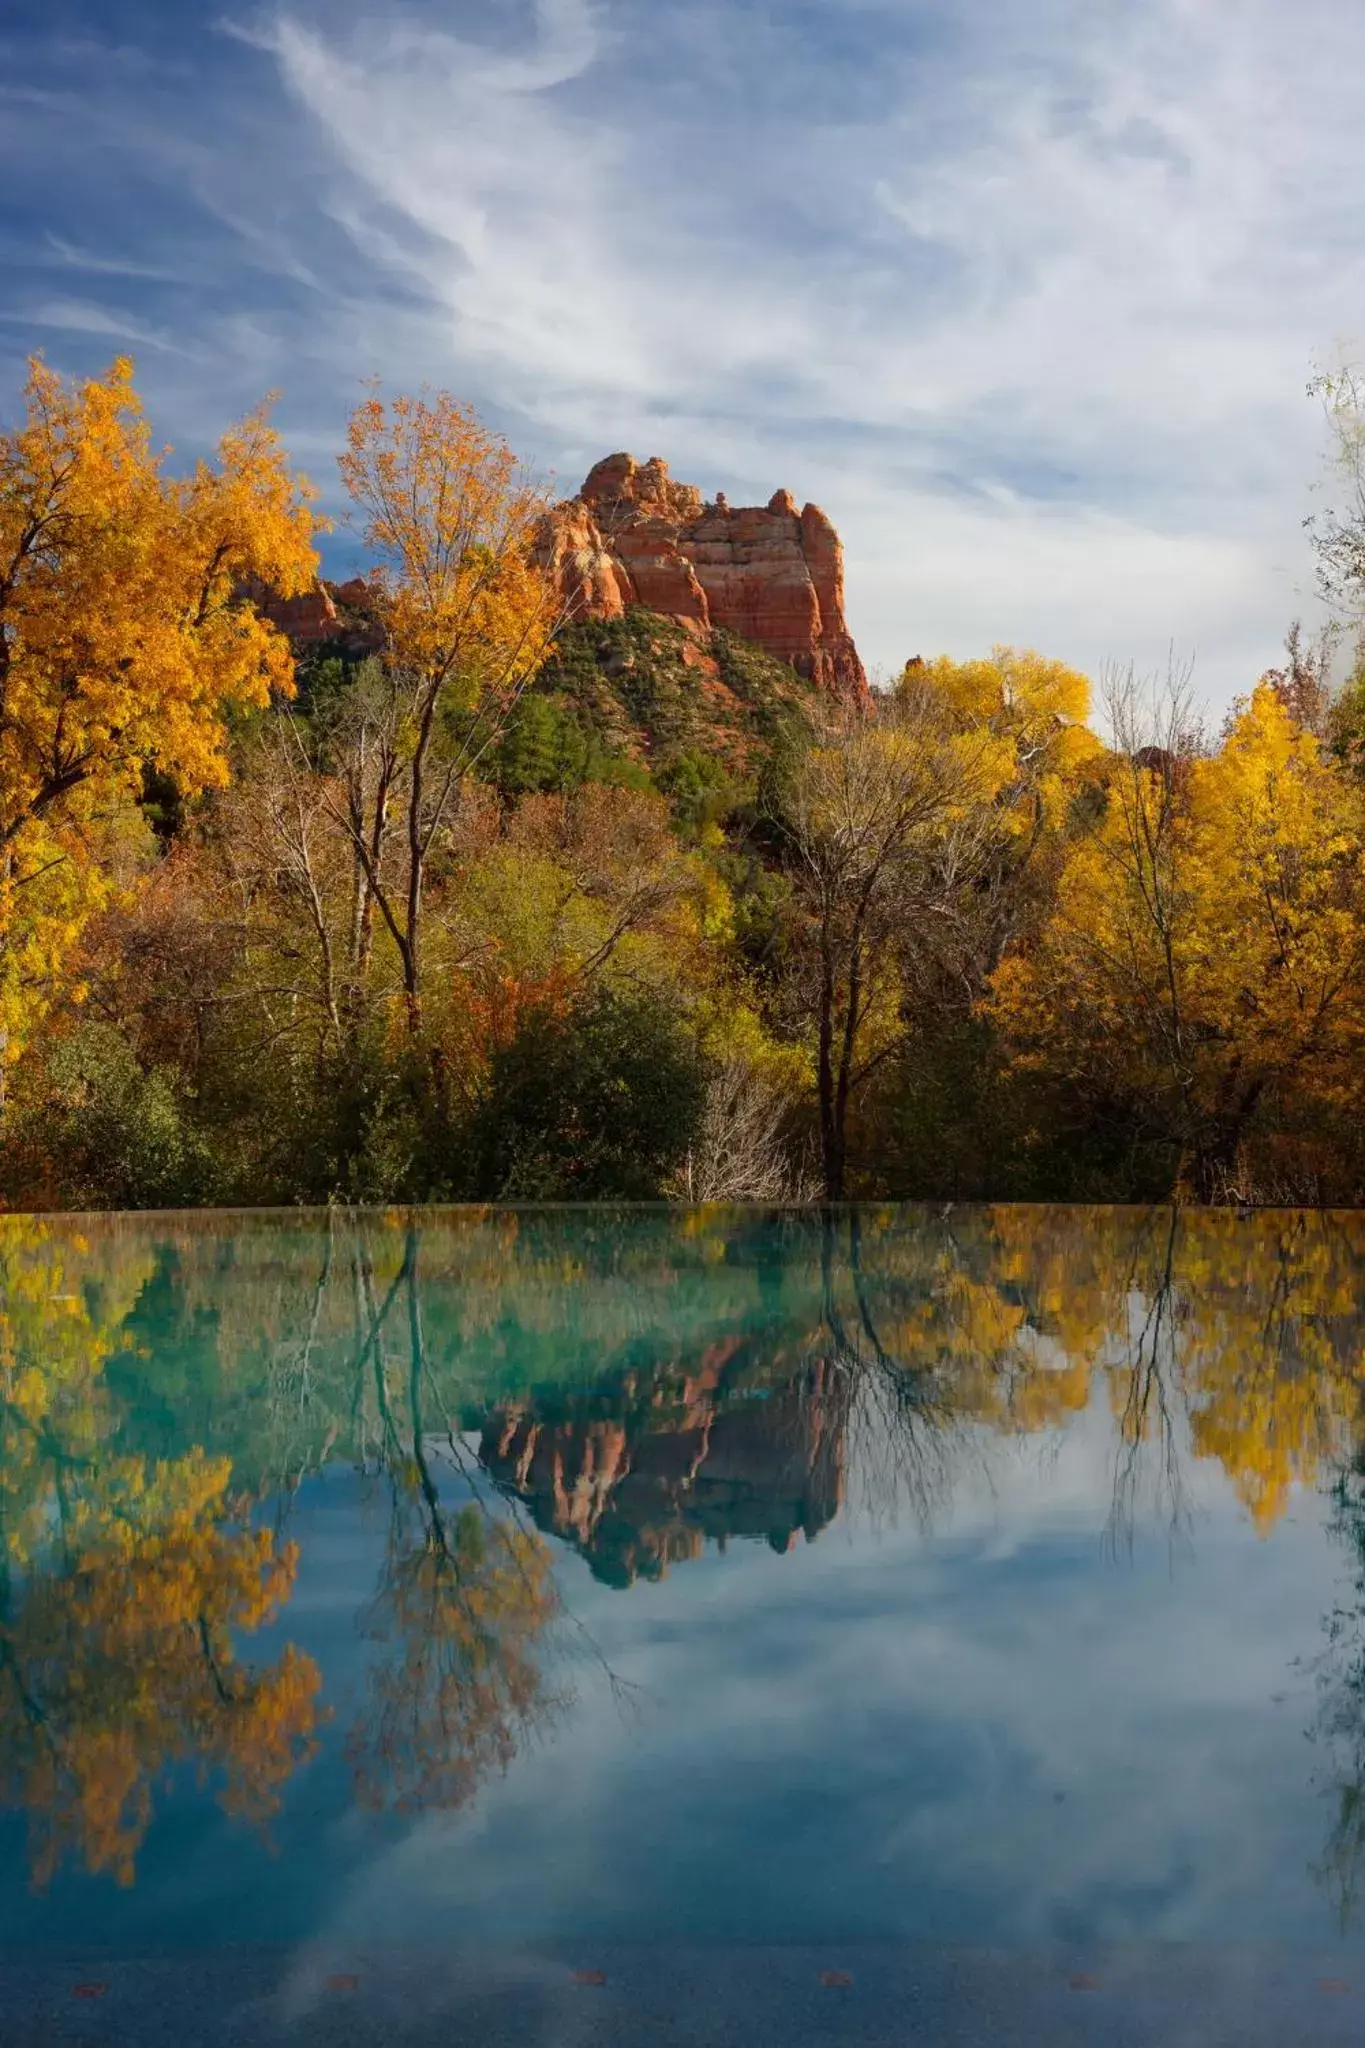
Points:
(1035, 708)
(1013, 688)
(126, 1665)
(129, 1581)
(1209, 932)
(124, 637)
(451, 515)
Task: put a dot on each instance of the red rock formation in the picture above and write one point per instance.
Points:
(329, 611)
(639, 1494)
(769, 574)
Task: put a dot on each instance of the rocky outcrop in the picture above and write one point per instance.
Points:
(770, 574)
(639, 1491)
(330, 613)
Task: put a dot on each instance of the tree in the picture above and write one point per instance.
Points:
(886, 824)
(126, 637)
(742, 1151)
(468, 617)
(1035, 709)
(945, 1117)
(1303, 683)
(597, 1100)
(1338, 535)
(1206, 953)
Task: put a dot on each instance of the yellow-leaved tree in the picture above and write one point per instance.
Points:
(1035, 710)
(126, 635)
(1206, 955)
(452, 518)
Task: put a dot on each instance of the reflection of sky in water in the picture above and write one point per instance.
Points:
(998, 1731)
(979, 1712)
(992, 1735)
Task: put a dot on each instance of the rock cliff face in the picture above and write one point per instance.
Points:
(770, 574)
(639, 1492)
(338, 613)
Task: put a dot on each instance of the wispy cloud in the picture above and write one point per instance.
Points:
(1027, 296)
(80, 316)
(65, 255)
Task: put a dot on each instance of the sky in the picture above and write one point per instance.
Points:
(1026, 293)
(998, 1729)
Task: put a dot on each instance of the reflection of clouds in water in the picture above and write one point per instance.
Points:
(870, 1732)
(870, 1735)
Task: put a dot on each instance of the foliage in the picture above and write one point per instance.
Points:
(267, 943)
(887, 821)
(596, 1102)
(468, 618)
(126, 638)
(125, 1587)
(1204, 958)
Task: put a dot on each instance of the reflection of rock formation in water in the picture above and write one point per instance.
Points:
(650, 1484)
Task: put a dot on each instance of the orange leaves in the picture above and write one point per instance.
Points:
(124, 638)
(451, 515)
(126, 1666)
(130, 1581)
(466, 1604)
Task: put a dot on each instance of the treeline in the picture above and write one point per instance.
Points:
(477, 905)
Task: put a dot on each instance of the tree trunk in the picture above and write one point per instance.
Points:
(1219, 1148)
(831, 1134)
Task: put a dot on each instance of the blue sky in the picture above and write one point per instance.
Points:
(1025, 292)
(863, 1739)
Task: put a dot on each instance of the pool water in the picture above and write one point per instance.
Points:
(564, 1585)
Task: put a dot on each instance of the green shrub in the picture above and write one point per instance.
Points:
(90, 1128)
(600, 1104)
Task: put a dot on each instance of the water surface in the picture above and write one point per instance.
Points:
(565, 1582)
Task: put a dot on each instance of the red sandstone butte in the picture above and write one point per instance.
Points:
(342, 612)
(770, 574)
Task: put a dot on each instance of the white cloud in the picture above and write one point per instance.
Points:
(81, 316)
(1035, 324)
(1026, 295)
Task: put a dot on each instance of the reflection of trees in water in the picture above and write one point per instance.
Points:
(464, 1597)
(1340, 1725)
(124, 1586)
(637, 1389)
(126, 1665)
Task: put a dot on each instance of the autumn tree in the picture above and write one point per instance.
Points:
(126, 636)
(450, 516)
(1205, 955)
(1035, 710)
(947, 1117)
(885, 822)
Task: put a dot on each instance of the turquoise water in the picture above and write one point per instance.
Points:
(988, 1578)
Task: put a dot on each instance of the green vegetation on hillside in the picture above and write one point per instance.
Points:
(504, 910)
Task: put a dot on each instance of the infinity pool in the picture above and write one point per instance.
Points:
(685, 1626)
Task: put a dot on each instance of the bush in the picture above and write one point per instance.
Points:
(601, 1103)
(90, 1128)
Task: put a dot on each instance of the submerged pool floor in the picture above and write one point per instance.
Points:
(647, 1997)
